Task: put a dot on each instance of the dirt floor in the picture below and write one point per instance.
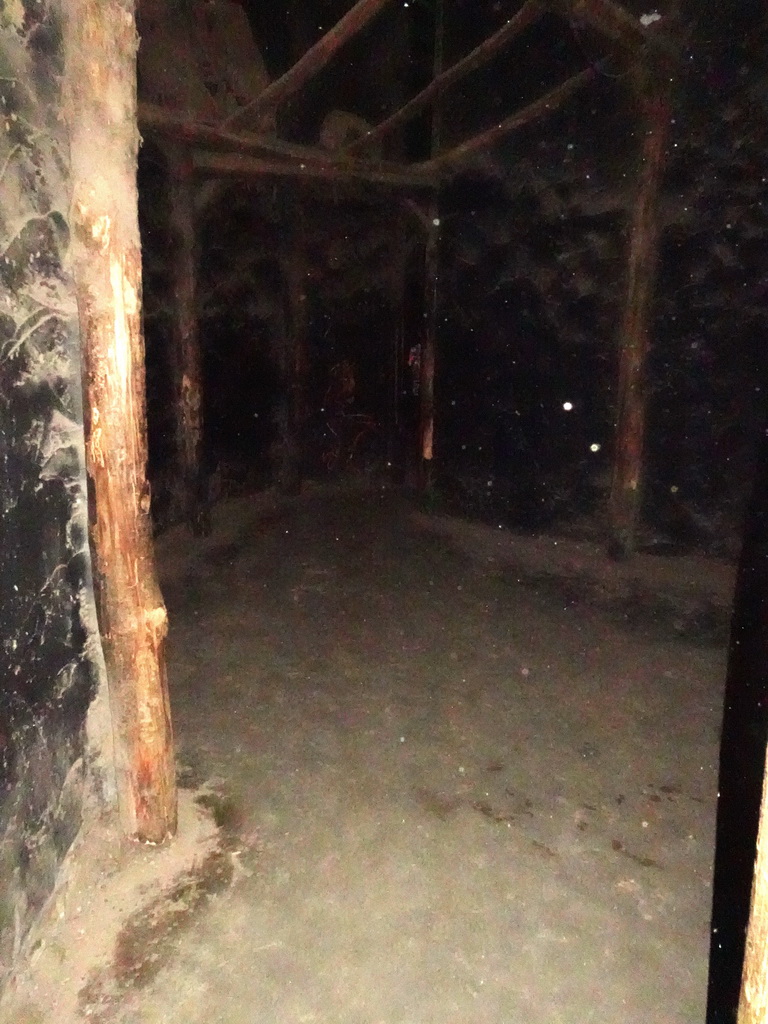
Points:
(460, 777)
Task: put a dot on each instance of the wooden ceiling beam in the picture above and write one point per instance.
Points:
(485, 140)
(528, 14)
(313, 61)
(161, 121)
(250, 167)
(153, 118)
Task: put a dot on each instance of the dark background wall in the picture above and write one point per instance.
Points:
(533, 267)
(49, 652)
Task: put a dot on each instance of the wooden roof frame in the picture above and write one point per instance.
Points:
(112, 331)
(260, 152)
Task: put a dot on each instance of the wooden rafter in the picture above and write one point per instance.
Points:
(313, 61)
(539, 108)
(529, 13)
(176, 126)
(237, 165)
(305, 160)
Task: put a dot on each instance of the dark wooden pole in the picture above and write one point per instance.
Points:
(100, 45)
(530, 12)
(753, 1004)
(297, 160)
(634, 342)
(546, 104)
(186, 357)
(431, 284)
(253, 167)
(294, 361)
(398, 293)
(427, 383)
(313, 61)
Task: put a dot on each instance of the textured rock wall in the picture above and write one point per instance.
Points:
(50, 658)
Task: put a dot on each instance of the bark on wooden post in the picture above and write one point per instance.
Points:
(186, 358)
(626, 483)
(753, 1004)
(100, 46)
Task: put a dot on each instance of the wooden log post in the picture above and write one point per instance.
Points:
(634, 342)
(100, 45)
(431, 285)
(398, 290)
(753, 1003)
(294, 360)
(428, 347)
(186, 357)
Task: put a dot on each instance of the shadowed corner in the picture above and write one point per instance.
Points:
(742, 760)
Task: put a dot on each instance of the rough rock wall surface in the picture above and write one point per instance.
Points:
(50, 656)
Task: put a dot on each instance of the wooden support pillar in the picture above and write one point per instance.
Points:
(431, 284)
(100, 77)
(753, 1003)
(634, 342)
(186, 357)
(294, 361)
(398, 298)
(427, 383)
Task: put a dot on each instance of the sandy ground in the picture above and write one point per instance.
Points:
(448, 792)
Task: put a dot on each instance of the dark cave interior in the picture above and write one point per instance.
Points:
(532, 274)
(531, 279)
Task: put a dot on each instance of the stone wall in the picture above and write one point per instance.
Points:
(50, 656)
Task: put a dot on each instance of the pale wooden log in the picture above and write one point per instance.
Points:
(313, 61)
(100, 45)
(529, 13)
(626, 483)
(753, 1002)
